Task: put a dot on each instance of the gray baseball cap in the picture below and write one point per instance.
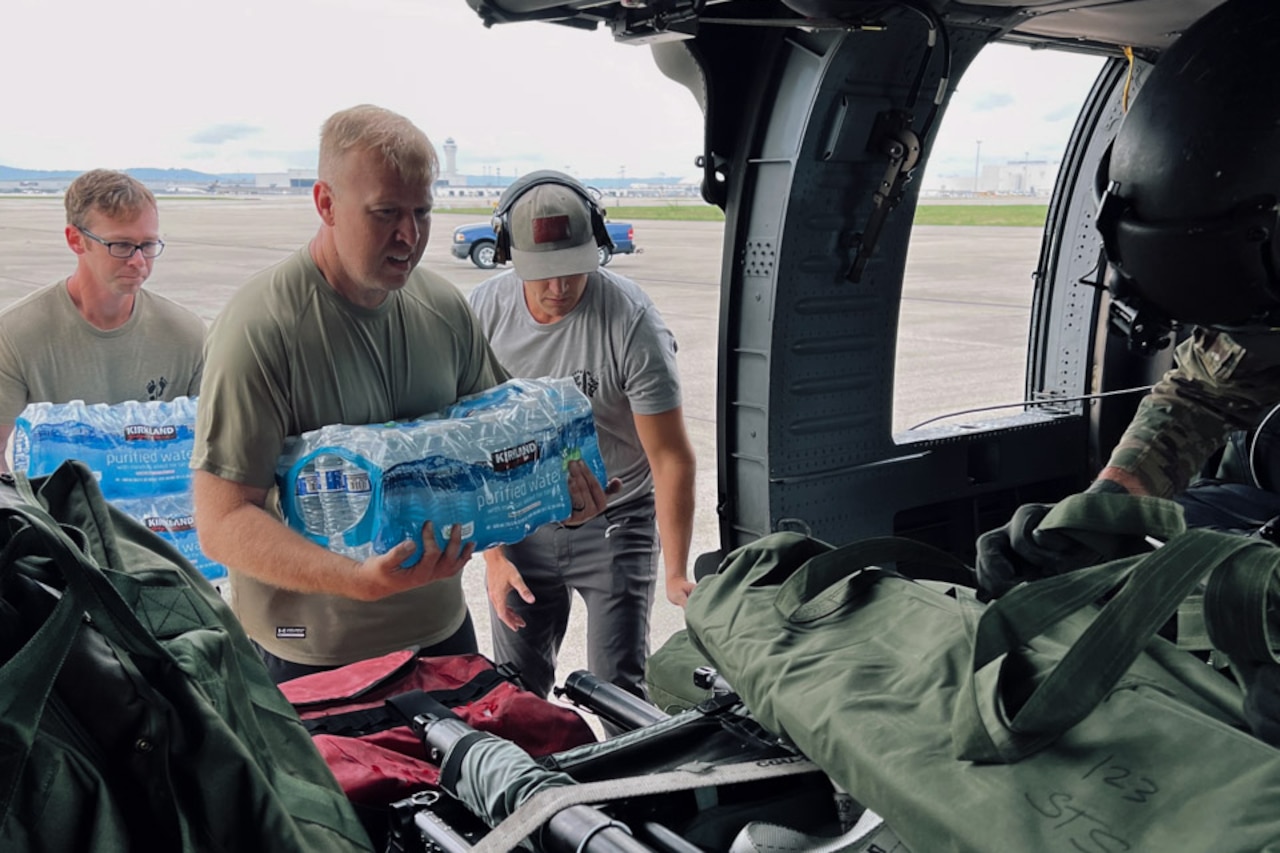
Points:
(551, 234)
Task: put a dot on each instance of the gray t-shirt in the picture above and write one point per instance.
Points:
(49, 353)
(613, 343)
(287, 355)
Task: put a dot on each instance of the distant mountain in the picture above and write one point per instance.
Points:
(190, 176)
(158, 176)
(8, 173)
(186, 176)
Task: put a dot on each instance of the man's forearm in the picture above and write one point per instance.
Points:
(251, 541)
(6, 448)
(245, 538)
(674, 503)
(1215, 388)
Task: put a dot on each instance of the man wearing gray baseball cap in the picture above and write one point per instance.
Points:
(559, 314)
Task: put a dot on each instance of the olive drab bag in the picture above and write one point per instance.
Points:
(134, 712)
(1039, 722)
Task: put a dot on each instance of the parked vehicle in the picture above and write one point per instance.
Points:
(476, 242)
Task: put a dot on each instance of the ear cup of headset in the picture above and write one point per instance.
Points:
(502, 239)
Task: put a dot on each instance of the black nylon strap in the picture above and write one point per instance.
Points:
(419, 704)
(452, 767)
(381, 718)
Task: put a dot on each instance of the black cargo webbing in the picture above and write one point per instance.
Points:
(381, 718)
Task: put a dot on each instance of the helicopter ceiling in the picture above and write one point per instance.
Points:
(1147, 26)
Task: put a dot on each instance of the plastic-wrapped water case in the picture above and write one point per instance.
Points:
(135, 449)
(494, 463)
(140, 453)
(172, 518)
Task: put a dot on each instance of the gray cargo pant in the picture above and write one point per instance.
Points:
(611, 561)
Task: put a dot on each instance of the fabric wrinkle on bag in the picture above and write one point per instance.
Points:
(137, 715)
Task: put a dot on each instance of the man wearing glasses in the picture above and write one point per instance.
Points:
(98, 336)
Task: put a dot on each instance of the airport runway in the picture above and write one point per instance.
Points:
(961, 344)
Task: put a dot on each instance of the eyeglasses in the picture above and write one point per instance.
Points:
(123, 249)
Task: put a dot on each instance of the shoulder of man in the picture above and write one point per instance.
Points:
(174, 313)
(618, 292)
(270, 299)
(431, 298)
(1238, 365)
(292, 270)
(627, 305)
(1257, 351)
(494, 288)
(35, 304)
(429, 288)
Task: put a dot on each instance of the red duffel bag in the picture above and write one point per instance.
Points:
(370, 747)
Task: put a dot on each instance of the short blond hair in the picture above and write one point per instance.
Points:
(403, 147)
(114, 194)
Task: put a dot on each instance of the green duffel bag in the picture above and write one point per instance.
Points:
(134, 712)
(668, 674)
(1040, 722)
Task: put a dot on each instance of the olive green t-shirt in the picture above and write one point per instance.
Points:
(49, 353)
(287, 355)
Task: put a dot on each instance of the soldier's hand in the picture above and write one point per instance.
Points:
(383, 574)
(678, 590)
(1009, 555)
(502, 578)
(586, 498)
(1026, 549)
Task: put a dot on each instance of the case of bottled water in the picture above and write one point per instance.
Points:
(135, 449)
(140, 453)
(172, 518)
(494, 463)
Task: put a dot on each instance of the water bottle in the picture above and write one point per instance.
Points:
(307, 491)
(332, 487)
(359, 491)
(21, 445)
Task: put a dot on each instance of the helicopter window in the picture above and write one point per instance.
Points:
(967, 290)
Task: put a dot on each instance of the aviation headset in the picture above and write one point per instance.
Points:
(512, 194)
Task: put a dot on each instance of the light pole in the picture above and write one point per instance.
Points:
(977, 159)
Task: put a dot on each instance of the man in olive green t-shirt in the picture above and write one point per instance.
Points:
(97, 336)
(347, 330)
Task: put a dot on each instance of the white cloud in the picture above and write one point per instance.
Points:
(151, 82)
(1012, 103)
(243, 85)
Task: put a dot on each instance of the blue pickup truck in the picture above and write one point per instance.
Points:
(476, 241)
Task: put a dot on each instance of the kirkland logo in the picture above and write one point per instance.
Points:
(142, 432)
(514, 457)
(170, 523)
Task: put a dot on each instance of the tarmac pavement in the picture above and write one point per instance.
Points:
(962, 338)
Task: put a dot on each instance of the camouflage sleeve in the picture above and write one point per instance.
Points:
(1216, 387)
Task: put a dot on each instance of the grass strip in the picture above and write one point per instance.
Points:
(1010, 215)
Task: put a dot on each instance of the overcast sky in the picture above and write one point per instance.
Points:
(243, 85)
